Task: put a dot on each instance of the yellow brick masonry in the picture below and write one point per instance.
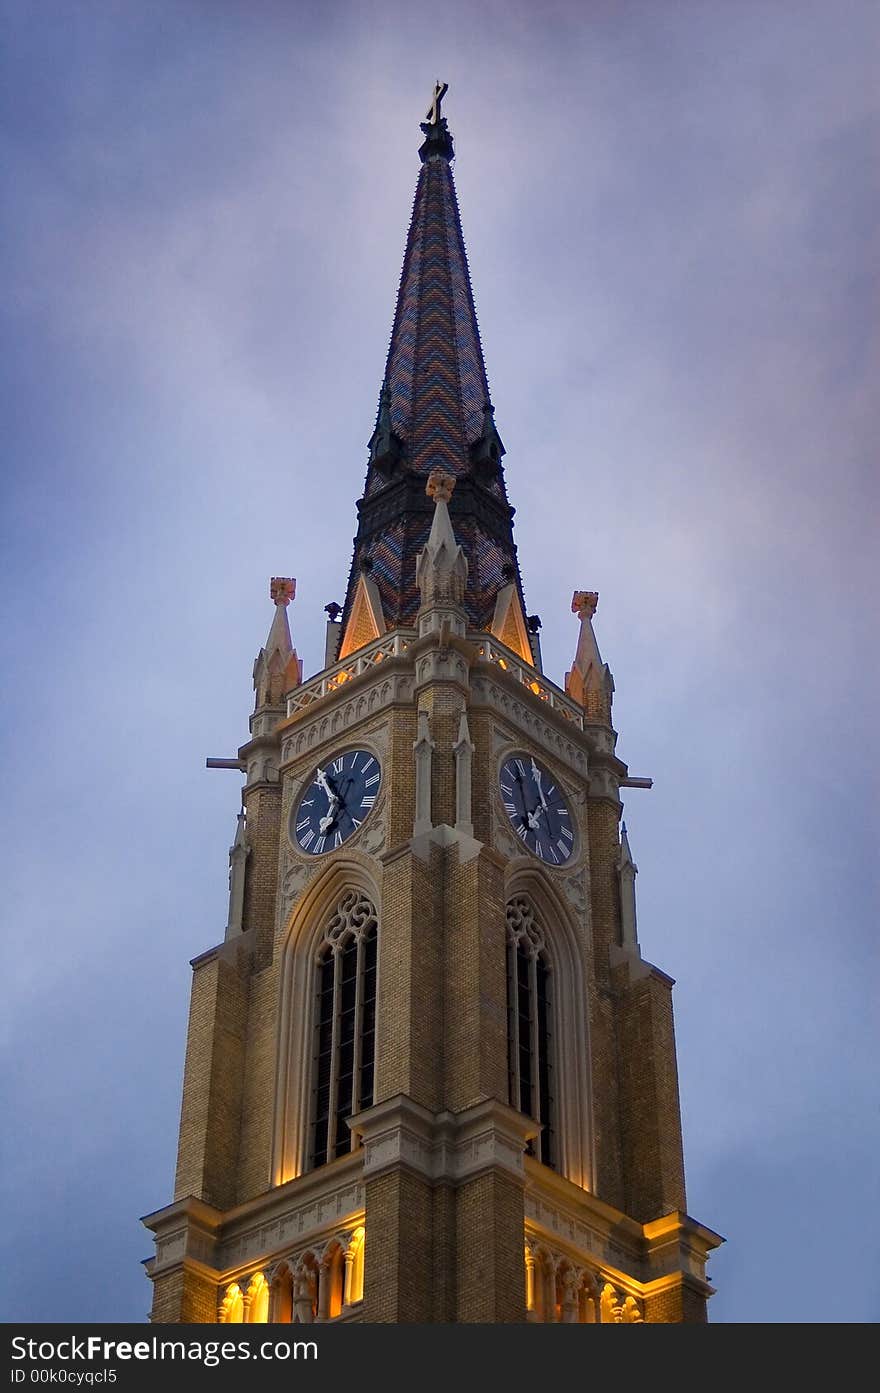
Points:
(602, 823)
(409, 1002)
(400, 1258)
(433, 1252)
(650, 1111)
(212, 1087)
(184, 1297)
(489, 1239)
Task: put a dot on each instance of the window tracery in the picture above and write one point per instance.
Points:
(531, 1024)
(345, 1024)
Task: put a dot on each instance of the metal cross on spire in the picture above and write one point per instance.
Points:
(433, 112)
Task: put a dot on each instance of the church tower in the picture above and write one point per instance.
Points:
(429, 1075)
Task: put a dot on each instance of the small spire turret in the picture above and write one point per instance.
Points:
(488, 448)
(277, 668)
(386, 448)
(589, 682)
(627, 871)
(441, 567)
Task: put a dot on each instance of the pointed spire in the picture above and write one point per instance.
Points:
(238, 854)
(423, 752)
(435, 412)
(589, 682)
(384, 446)
(441, 566)
(463, 753)
(487, 449)
(627, 872)
(625, 853)
(277, 668)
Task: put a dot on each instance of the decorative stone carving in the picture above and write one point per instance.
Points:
(463, 751)
(440, 486)
(617, 1309)
(604, 784)
(354, 914)
(295, 876)
(372, 839)
(423, 750)
(282, 589)
(503, 839)
(576, 892)
(312, 730)
(585, 602)
(311, 1222)
(589, 1240)
(526, 721)
(523, 928)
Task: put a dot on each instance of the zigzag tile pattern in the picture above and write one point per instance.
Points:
(437, 382)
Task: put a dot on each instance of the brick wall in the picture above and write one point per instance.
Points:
(212, 1088)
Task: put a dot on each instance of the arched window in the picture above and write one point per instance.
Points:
(530, 1025)
(345, 1025)
(232, 1308)
(355, 1268)
(256, 1302)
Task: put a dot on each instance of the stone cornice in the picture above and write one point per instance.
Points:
(676, 1243)
(268, 740)
(299, 1212)
(654, 1255)
(445, 1147)
(184, 1211)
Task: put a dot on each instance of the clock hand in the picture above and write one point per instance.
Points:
(330, 816)
(321, 778)
(536, 775)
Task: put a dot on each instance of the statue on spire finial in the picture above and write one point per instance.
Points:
(433, 113)
(438, 141)
(440, 485)
(584, 603)
(282, 589)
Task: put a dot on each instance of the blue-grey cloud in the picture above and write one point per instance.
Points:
(671, 217)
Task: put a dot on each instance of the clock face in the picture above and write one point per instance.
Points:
(537, 809)
(337, 798)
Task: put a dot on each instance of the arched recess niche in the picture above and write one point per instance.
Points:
(296, 1016)
(571, 1035)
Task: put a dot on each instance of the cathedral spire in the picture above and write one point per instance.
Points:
(435, 412)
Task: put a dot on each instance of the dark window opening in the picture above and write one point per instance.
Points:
(344, 1034)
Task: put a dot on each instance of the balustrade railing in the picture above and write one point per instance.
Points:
(393, 644)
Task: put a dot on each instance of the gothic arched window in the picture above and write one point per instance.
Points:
(530, 1025)
(345, 1025)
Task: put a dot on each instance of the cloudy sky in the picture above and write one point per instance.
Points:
(671, 214)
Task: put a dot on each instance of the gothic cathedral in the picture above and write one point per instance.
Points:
(429, 1076)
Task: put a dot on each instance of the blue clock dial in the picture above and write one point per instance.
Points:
(336, 800)
(537, 809)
